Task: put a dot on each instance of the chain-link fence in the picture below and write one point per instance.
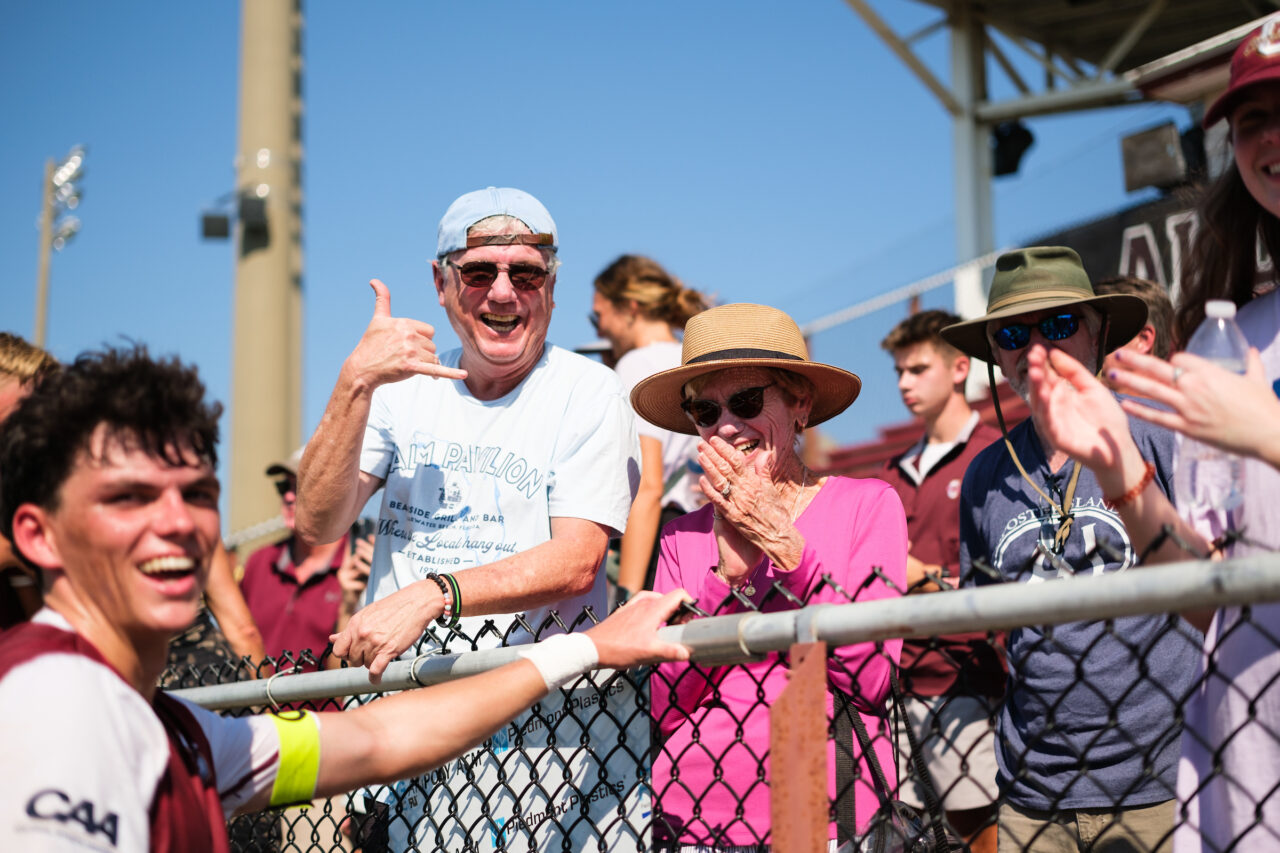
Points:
(1116, 728)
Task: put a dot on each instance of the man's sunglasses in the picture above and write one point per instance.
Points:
(744, 405)
(285, 485)
(485, 273)
(1057, 327)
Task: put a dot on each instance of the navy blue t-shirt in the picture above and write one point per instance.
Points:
(1091, 716)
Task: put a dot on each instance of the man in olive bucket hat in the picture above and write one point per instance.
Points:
(1088, 738)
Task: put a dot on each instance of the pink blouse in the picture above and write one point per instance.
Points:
(710, 776)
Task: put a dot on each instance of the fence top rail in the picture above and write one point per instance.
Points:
(738, 637)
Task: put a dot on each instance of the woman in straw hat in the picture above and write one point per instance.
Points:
(1230, 743)
(772, 534)
(638, 307)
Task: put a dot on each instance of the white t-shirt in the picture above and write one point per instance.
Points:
(1231, 737)
(82, 753)
(679, 451)
(469, 482)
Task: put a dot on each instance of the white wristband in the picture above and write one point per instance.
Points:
(562, 658)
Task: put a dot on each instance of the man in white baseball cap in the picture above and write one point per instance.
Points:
(507, 463)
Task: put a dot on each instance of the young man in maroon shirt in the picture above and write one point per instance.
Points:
(952, 683)
(110, 490)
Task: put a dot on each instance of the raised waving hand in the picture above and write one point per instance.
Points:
(395, 348)
(331, 487)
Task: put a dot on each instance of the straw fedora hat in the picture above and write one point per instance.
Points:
(1045, 277)
(741, 335)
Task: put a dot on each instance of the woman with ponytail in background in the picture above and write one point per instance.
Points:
(638, 307)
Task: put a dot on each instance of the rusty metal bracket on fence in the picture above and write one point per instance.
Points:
(798, 746)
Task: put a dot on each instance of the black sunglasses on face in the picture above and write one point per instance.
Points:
(1057, 327)
(286, 485)
(744, 405)
(485, 273)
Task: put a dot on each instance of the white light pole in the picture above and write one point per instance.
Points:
(59, 194)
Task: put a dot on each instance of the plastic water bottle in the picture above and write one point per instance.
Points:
(1208, 482)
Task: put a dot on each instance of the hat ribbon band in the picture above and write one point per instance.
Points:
(743, 352)
(1013, 299)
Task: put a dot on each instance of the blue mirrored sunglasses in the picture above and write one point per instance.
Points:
(1057, 327)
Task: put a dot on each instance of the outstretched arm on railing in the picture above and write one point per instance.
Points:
(411, 733)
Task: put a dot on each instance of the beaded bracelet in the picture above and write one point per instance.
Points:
(446, 592)
(456, 604)
(1129, 496)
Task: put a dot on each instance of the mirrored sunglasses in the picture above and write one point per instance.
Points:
(485, 273)
(744, 405)
(1057, 327)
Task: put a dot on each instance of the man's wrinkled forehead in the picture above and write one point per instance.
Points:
(504, 231)
(511, 238)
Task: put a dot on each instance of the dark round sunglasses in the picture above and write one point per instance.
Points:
(285, 485)
(485, 273)
(744, 405)
(1057, 327)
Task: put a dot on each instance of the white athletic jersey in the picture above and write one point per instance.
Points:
(470, 482)
(679, 451)
(82, 753)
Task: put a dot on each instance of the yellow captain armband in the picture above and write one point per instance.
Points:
(299, 758)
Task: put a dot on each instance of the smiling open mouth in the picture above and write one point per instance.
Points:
(500, 322)
(168, 567)
(748, 446)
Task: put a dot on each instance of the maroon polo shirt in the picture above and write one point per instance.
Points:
(292, 616)
(963, 663)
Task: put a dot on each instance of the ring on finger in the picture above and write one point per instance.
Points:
(725, 492)
(1177, 374)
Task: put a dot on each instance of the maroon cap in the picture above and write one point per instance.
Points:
(1256, 60)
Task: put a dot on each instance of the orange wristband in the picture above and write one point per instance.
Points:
(1131, 495)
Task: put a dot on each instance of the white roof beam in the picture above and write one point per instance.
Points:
(1007, 66)
(1130, 37)
(904, 52)
(929, 29)
(1086, 96)
(1045, 59)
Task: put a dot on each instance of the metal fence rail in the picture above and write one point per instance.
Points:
(608, 764)
(741, 636)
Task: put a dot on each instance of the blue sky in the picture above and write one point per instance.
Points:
(764, 152)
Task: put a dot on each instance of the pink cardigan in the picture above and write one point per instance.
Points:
(710, 780)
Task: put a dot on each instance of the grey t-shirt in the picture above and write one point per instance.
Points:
(1091, 716)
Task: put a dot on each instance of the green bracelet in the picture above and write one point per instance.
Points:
(455, 606)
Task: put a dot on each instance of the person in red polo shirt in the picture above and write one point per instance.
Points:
(299, 594)
(952, 683)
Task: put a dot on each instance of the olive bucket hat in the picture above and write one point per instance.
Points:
(1045, 277)
(1036, 279)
